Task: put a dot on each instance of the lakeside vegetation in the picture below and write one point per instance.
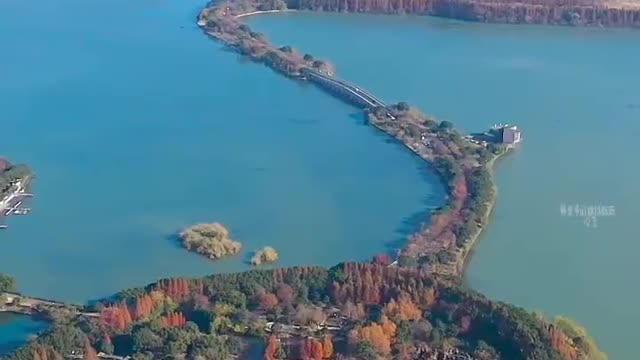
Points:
(349, 311)
(7, 283)
(442, 243)
(265, 255)
(210, 240)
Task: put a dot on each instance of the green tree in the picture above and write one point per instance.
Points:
(403, 332)
(318, 64)
(145, 340)
(8, 283)
(364, 350)
(403, 106)
(405, 260)
(445, 126)
(308, 57)
(232, 297)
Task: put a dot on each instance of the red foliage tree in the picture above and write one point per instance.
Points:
(45, 353)
(377, 335)
(174, 319)
(285, 293)
(89, 351)
(312, 349)
(403, 309)
(327, 347)
(268, 301)
(382, 259)
(272, 348)
(116, 317)
(175, 288)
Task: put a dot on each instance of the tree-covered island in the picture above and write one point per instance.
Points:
(210, 240)
(266, 255)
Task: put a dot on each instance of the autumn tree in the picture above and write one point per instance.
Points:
(89, 351)
(41, 352)
(271, 351)
(174, 319)
(382, 259)
(268, 301)
(312, 349)
(116, 317)
(177, 289)
(285, 293)
(402, 309)
(379, 336)
(327, 347)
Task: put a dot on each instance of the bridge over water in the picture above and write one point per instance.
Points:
(346, 90)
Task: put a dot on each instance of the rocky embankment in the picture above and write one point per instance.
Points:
(553, 12)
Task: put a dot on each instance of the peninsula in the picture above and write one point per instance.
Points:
(443, 242)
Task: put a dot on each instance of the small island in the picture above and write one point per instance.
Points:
(265, 255)
(210, 240)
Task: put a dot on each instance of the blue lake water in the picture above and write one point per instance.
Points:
(574, 93)
(137, 125)
(14, 330)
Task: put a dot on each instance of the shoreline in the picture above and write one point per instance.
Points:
(490, 165)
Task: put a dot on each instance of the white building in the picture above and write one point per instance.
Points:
(511, 135)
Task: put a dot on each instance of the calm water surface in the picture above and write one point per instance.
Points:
(574, 92)
(14, 330)
(137, 125)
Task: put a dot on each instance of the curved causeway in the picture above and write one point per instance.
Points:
(443, 241)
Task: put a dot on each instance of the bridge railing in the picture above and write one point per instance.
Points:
(353, 89)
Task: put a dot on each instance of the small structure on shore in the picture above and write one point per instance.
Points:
(509, 134)
(505, 134)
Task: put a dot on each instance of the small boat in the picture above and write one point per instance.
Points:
(3, 226)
